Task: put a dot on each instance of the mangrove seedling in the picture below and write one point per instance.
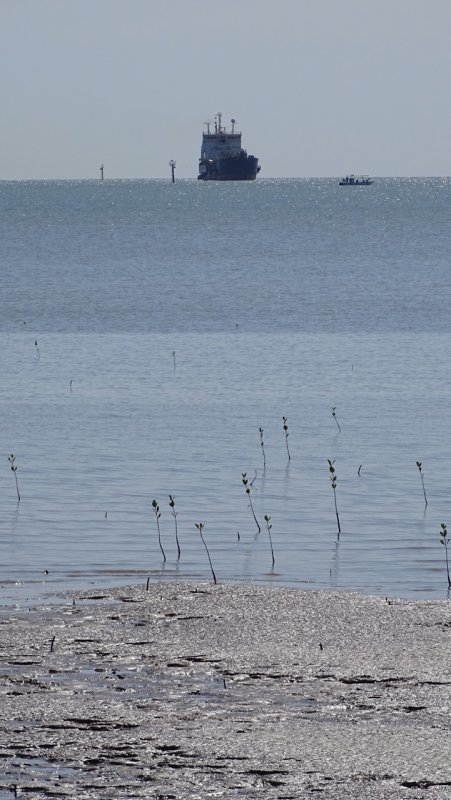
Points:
(174, 514)
(268, 528)
(247, 488)
(285, 427)
(262, 445)
(200, 526)
(333, 479)
(422, 482)
(444, 540)
(335, 418)
(12, 459)
(157, 512)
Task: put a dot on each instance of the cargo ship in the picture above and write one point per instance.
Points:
(222, 158)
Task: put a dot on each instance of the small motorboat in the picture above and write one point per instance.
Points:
(356, 180)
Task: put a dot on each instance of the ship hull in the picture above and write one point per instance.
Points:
(229, 169)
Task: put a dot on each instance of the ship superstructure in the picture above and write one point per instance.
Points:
(222, 157)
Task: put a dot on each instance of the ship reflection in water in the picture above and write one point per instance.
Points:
(222, 158)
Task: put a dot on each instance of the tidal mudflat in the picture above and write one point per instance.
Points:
(194, 691)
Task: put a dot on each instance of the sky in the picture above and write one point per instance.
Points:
(318, 87)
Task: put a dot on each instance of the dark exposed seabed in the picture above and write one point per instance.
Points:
(195, 691)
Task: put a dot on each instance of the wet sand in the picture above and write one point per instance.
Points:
(199, 691)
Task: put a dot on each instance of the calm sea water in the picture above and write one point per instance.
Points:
(148, 330)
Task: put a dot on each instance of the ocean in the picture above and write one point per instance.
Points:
(149, 330)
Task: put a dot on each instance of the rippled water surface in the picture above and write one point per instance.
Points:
(148, 331)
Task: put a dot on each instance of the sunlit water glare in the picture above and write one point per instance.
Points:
(147, 331)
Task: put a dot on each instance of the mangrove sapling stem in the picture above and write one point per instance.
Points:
(175, 514)
(262, 444)
(156, 509)
(247, 487)
(422, 482)
(285, 427)
(11, 460)
(335, 418)
(333, 478)
(268, 528)
(444, 540)
(200, 526)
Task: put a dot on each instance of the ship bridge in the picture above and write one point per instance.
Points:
(221, 143)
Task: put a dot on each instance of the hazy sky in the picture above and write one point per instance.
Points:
(319, 87)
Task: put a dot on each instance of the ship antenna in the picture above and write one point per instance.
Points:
(208, 123)
(233, 125)
(219, 121)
